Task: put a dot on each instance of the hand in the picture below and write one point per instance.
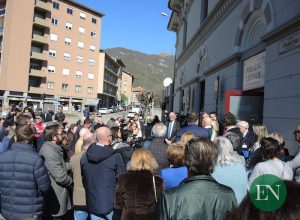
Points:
(168, 142)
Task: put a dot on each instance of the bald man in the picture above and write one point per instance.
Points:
(100, 166)
(172, 127)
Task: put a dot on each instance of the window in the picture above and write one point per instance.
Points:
(90, 76)
(77, 89)
(67, 41)
(50, 85)
(51, 69)
(53, 37)
(79, 59)
(93, 34)
(54, 21)
(52, 53)
(66, 71)
(81, 30)
(82, 15)
(64, 86)
(35, 66)
(90, 90)
(94, 20)
(78, 74)
(70, 11)
(69, 26)
(67, 56)
(91, 62)
(80, 44)
(92, 48)
(56, 5)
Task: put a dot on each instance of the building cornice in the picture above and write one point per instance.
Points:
(77, 4)
(214, 19)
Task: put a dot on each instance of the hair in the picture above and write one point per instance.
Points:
(40, 114)
(186, 137)
(175, 154)
(278, 137)
(243, 124)
(51, 131)
(260, 131)
(229, 119)
(200, 156)
(114, 132)
(142, 159)
(72, 126)
(269, 147)
(24, 133)
(22, 119)
(234, 138)
(125, 134)
(159, 130)
(193, 118)
(8, 121)
(226, 155)
(87, 121)
(10, 131)
(214, 113)
(288, 211)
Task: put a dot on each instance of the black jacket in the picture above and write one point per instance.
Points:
(159, 150)
(100, 166)
(23, 177)
(176, 127)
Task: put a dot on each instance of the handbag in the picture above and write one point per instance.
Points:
(154, 187)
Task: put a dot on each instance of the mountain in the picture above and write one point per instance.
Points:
(149, 70)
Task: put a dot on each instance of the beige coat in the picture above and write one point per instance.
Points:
(78, 191)
(78, 145)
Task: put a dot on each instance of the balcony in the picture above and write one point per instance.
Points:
(38, 56)
(38, 90)
(176, 5)
(2, 12)
(44, 6)
(39, 39)
(41, 22)
(37, 73)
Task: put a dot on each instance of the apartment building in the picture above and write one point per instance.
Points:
(240, 56)
(49, 53)
(109, 80)
(126, 88)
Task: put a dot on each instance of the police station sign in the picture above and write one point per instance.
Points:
(254, 72)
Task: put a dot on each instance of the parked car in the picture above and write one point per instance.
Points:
(104, 111)
(114, 108)
(121, 108)
(131, 114)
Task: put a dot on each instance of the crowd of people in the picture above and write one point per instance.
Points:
(198, 168)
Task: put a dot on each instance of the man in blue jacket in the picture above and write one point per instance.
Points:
(23, 178)
(100, 166)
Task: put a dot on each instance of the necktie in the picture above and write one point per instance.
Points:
(170, 129)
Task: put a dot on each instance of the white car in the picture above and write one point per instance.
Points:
(104, 111)
(131, 114)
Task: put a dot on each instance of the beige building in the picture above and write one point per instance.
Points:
(109, 80)
(126, 86)
(49, 51)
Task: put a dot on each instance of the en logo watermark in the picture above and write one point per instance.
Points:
(268, 193)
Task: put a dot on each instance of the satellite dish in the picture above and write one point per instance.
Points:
(167, 81)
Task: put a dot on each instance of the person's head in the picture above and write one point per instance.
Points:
(206, 121)
(83, 131)
(278, 137)
(297, 133)
(193, 118)
(88, 139)
(38, 118)
(142, 159)
(136, 117)
(73, 128)
(260, 131)
(87, 123)
(244, 126)
(226, 155)
(24, 133)
(229, 119)
(53, 133)
(175, 154)
(234, 138)
(288, 211)
(103, 136)
(115, 132)
(204, 115)
(186, 137)
(82, 120)
(59, 109)
(159, 130)
(270, 148)
(172, 116)
(213, 116)
(200, 156)
(126, 135)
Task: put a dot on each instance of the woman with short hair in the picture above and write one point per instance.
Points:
(138, 189)
(230, 169)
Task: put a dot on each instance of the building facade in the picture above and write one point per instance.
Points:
(109, 80)
(49, 53)
(239, 56)
(126, 88)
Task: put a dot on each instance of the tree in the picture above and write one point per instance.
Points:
(124, 99)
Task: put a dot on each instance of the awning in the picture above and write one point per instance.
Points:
(92, 102)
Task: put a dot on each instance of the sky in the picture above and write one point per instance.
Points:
(135, 24)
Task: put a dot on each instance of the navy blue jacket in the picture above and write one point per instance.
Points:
(100, 166)
(194, 129)
(23, 177)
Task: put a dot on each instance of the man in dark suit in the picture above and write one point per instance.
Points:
(48, 115)
(248, 137)
(193, 128)
(172, 127)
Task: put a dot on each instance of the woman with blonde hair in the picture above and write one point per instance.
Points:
(138, 189)
(185, 138)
